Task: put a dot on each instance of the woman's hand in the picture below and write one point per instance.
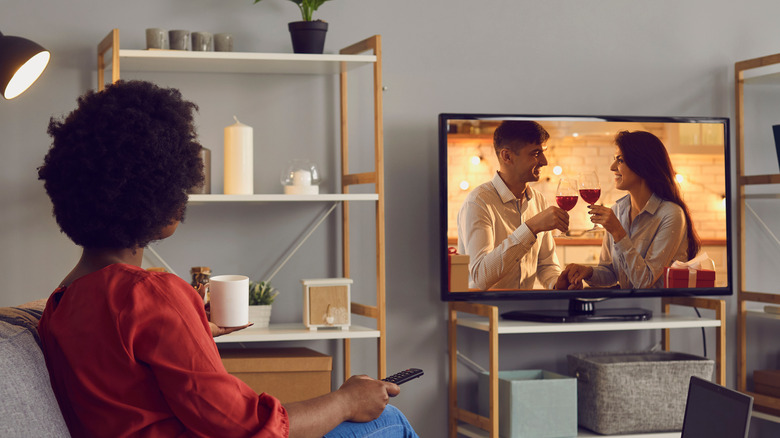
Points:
(366, 397)
(605, 217)
(215, 329)
(219, 331)
(576, 274)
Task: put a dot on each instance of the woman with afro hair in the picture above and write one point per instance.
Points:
(131, 352)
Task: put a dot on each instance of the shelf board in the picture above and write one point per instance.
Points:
(659, 321)
(237, 62)
(758, 179)
(765, 416)
(471, 431)
(295, 332)
(204, 199)
(763, 314)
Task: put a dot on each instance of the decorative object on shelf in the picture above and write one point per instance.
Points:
(238, 159)
(634, 392)
(202, 42)
(697, 272)
(21, 63)
(301, 177)
(326, 303)
(179, 39)
(200, 275)
(532, 403)
(223, 42)
(308, 36)
(205, 188)
(229, 300)
(157, 38)
(261, 296)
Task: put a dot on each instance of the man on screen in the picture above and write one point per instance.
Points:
(504, 226)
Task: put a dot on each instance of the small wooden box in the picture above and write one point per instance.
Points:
(326, 303)
(289, 374)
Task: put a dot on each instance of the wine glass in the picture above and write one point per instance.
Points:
(566, 195)
(590, 190)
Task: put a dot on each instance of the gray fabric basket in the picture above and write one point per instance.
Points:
(634, 392)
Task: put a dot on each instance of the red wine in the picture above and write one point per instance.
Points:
(566, 202)
(590, 195)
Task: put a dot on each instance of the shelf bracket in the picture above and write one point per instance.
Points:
(294, 248)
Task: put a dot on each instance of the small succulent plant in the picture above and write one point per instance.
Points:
(261, 293)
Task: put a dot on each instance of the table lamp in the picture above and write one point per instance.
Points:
(21, 63)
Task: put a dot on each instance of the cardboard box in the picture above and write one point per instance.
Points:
(767, 382)
(684, 278)
(532, 403)
(289, 374)
(459, 272)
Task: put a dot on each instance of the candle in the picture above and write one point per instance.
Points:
(238, 159)
(301, 178)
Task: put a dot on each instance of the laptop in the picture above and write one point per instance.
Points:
(713, 411)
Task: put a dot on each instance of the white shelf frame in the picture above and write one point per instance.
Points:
(349, 58)
(181, 61)
(326, 197)
(764, 70)
(295, 332)
(485, 318)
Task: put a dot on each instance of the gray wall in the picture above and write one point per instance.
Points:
(578, 57)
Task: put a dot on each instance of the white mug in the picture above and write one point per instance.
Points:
(229, 300)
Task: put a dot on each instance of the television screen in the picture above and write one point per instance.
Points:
(582, 151)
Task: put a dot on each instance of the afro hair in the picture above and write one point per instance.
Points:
(121, 164)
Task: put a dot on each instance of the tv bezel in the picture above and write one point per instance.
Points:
(589, 293)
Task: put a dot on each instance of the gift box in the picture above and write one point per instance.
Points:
(698, 272)
(459, 271)
(685, 278)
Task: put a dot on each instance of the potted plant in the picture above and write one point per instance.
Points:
(261, 296)
(308, 36)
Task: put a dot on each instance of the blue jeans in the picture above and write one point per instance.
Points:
(391, 424)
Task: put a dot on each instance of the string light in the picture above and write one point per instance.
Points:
(557, 170)
(464, 185)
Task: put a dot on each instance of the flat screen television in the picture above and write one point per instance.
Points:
(699, 151)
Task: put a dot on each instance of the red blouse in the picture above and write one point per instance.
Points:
(130, 352)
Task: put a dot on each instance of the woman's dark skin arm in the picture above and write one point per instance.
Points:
(359, 399)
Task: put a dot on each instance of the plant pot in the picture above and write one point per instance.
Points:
(308, 36)
(260, 315)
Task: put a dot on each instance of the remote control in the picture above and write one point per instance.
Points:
(404, 376)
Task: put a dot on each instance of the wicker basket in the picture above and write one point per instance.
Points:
(634, 392)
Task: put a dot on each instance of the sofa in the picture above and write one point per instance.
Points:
(28, 407)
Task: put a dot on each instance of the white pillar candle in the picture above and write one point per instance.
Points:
(238, 159)
(301, 178)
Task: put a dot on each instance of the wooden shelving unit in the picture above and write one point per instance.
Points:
(763, 70)
(485, 318)
(111, 57)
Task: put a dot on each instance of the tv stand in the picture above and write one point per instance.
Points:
(484, 318)
(580, 311)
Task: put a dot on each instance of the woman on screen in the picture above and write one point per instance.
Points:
(647, 229)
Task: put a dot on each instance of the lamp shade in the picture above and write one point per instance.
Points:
(21, 63)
